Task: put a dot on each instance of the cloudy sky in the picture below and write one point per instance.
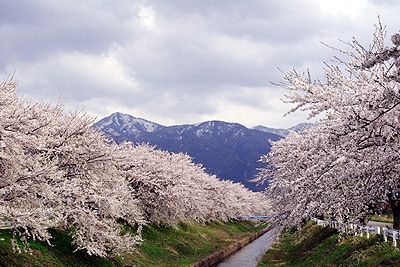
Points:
(178, 61)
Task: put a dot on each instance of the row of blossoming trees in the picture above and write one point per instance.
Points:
(351, 158)
(57, 171)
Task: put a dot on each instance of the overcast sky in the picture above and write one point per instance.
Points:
(178, 61)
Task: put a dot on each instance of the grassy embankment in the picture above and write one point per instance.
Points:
(163, 246)
(315, 245)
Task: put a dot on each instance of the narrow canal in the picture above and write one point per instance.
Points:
(251, 254)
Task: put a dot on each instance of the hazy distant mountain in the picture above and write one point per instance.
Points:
(229, 150)
(284, 132)
(281, 132)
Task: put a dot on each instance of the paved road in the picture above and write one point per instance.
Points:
(380, 224)
(251, 254)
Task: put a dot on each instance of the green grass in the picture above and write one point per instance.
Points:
(318, 246)
(60, 254)
(163, 246)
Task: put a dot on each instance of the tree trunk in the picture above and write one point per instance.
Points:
(363, 220)
(395, 205)
(396, 214)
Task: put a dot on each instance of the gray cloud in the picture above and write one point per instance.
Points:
(174, 61)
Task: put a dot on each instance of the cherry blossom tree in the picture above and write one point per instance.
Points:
(56, 171)
(171, 188)
(350, 159)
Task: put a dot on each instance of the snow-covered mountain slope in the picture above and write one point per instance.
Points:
(118, 124)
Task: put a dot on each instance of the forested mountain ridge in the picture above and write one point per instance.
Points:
(229, 150)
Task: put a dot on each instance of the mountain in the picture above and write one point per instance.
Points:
(125, 127)
(229, 150)
(284, 132)
(281, 132)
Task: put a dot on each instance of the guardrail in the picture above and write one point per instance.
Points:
(359, 229)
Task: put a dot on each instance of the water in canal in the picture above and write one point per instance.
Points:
(251, 254)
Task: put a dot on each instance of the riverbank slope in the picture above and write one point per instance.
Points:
(315, 245)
